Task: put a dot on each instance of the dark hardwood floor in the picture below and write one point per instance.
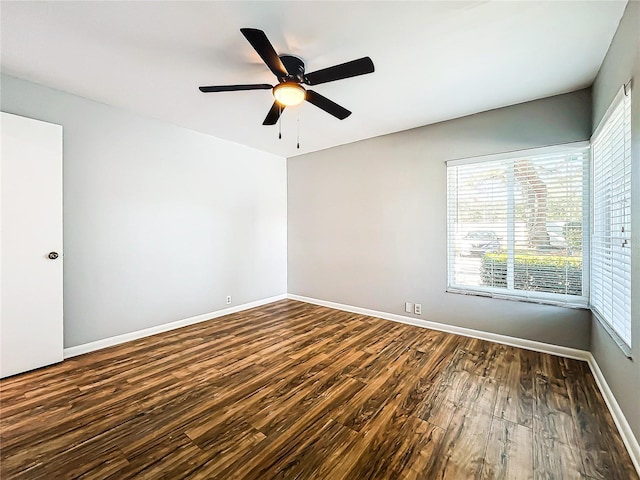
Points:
(292, 390)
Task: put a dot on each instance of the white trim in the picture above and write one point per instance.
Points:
(549, 149)
(628, 438)
(542, 298)
(126, 337)
(465, 332)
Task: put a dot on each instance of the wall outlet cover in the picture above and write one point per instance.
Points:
(408, 307)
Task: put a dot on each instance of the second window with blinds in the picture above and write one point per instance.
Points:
(517, 225)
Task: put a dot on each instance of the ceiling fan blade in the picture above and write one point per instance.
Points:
(234, 88)
(274, 114)
(262, 45)
(327, 105)
(338, 72)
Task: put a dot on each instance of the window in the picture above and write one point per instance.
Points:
(515, 225)
(611, 227)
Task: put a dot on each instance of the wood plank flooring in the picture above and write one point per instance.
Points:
(292, 390)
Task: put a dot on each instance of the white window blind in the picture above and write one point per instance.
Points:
(515, 225)
(611, 228)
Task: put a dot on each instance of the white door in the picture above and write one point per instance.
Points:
(30, 240)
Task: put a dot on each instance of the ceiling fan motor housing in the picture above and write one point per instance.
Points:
(295, 68)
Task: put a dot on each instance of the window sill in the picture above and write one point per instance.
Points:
(579, 304)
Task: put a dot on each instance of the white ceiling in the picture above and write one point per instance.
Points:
(434, 60)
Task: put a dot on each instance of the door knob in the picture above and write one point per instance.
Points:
(53, 255)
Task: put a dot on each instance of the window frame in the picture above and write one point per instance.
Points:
(546, 298)
(622, 95)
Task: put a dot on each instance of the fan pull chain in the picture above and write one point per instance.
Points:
(298, 125)
(279, 121)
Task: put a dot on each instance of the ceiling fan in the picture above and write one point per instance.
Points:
(290, 73)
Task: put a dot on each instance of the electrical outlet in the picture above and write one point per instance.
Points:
(417, 309)
(228, 299)
(408, 307)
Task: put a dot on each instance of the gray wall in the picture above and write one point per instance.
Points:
(621, 64)
(160, 222)
(367, 221)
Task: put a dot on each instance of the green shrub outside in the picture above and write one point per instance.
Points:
(540, 273)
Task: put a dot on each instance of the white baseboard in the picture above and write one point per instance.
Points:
(620, 420)
(629, 439)
(465, 332)
(126, 337)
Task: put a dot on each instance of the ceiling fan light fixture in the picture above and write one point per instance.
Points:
(289, 94)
